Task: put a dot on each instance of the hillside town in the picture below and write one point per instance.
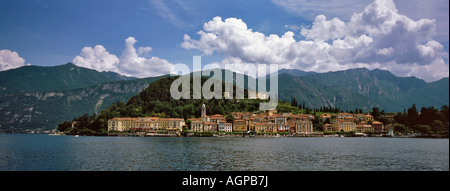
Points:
(269, 122)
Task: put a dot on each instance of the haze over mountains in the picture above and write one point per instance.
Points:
(41, 97)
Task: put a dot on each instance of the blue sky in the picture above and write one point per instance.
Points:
(54, 32)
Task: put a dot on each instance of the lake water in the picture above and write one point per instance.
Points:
(68, 153)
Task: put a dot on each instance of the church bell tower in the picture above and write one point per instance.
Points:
(203, 110)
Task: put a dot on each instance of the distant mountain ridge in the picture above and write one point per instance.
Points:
(380, 88)
(294, 72)
(53, 78)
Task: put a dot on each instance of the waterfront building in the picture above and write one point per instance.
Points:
(239, 126)
(146, 124)
(260, 127)
(364, 128)
(206, 118)
(344, 116)
(283, 127)
(304, 127)
(216, 118)
(214, 127)
(271, 127)
(342, 125)
(281, 120)
(378, 127)
(251, 127)
(327, 127)
(228, 127)
(221, 126)
(292, 128)
(120, 124)
(207, 127)
(196, 125)
(171, 125)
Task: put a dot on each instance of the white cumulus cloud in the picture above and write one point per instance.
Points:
(133, 64)
(10, 60)
(97, 58)
(132, 61)
(377, 37)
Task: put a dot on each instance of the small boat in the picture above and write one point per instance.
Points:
(76, 135)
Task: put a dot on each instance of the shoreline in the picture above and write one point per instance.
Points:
(300, 135)
(236, 135)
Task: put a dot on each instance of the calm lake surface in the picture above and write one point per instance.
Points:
(68, 153)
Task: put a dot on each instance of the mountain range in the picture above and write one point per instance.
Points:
(34, 97)
(363, 88)
(54, 78)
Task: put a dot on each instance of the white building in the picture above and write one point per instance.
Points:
(228, 127)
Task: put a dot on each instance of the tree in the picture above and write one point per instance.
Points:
(424, 129)
(229, 118)
(64, 126)
(317, 124)
(412, 117)
(438, 127)
(294, 102)
(328, 120)
(444, 113)
(188, 123)
(188, 111)
(376, 113)
(400, 118)
(428, 115)
(383, 120)
(400, 128)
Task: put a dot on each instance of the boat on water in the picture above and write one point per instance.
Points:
(76, 135)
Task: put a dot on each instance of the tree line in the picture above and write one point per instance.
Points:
(429, 120)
